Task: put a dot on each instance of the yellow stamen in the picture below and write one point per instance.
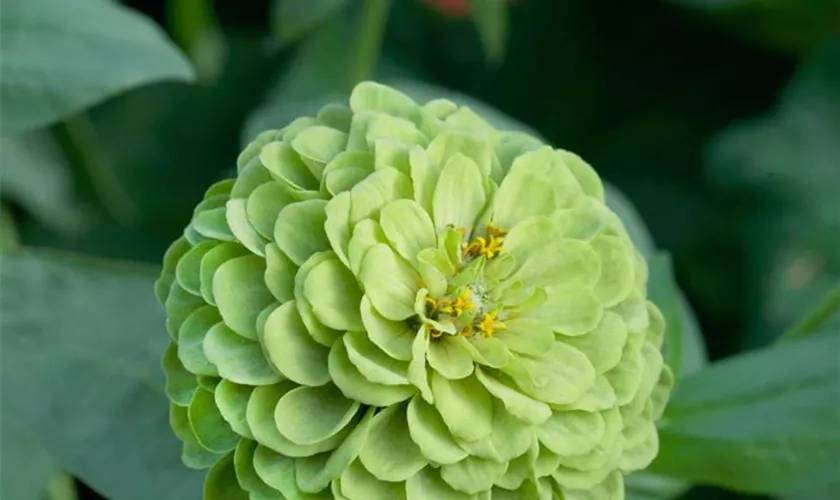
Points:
(463, 303)
(488, 324)
(495, 231)
(467, 331)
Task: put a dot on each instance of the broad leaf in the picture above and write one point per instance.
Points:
(61, 57)
(36, 176)
(82, 343)
(491, 21)
(763, 422)
(293, 19)
(26, 468)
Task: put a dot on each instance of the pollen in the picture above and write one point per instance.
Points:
(489, 247)
(489, 325)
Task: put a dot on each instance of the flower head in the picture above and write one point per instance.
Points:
(394, 300)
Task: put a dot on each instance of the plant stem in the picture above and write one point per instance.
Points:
(9, 238)
(816, 318)
(370, 33)
(94, 163)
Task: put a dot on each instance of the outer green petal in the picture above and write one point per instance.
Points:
(449, 143)
(517, 404)
(263, 424)
(212, 431)
(408, 228)
(606, 453)
(572, 432)
(521, 195)
(417, 373)
(336, 116)
(527, 336)
(626, 377)
(334, 294)
(281, 160)
(240, 293)
(359, 484)
(180, 383)
(611, 488)
(318, 145)
(221, 483)
(238, 359)
(392, 153)
(427, 484)
(395, 338)
(237, 219)
(371, 96)
(450, 358)
(510, 438)
(429, 432)
(179, 305)
(299, 231)
(278, 472)
(211, 262)
(570, 312)
(372, 362)
(279, 273)
(465, 406)
(246, 474)
(489, 352)
(355, 386)
(366, 234)
(292, 350)
(193, 454)
(530, 235)
(346, 170)
(389, 127)
(232, 400)
(310, 415)
(617, 269)
(459, 195)
(604, 344)
(563, 265)
(337, 226)
(565, 477)
(188, 271)
(584, 173)
(383, 186)
(263, 206)
(191, 337)
(601, 396)
(317, 330)
(313, 474)
(171, 258)
(390, 282)
(472, 474)
(559, 377)
(389, 453)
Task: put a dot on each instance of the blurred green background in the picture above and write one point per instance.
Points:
(718, 119)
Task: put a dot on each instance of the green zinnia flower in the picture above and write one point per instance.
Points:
(398, 301)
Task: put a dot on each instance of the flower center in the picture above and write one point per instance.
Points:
(468, 309)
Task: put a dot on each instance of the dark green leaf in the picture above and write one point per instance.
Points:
(788, 160)
(293, 19)
(36, 176)
(61, 57)
(762, 422)
(26, 468)
(491, 21)
(663, 291)
(82, 343)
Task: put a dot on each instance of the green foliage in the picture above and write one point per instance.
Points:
(101, 375)
(764, 422)
(712, 122)
(60, 58)
(292, 19)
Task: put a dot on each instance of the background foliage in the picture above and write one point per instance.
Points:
(716, 121)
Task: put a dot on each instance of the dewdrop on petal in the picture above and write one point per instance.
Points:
(398, 301)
